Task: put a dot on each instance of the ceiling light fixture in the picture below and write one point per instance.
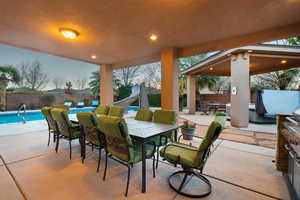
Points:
(68, 33)
(153, 37)
(211, 68)
(250, 51)
(283, 61)
(93, 56)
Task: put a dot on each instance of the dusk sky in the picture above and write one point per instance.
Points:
(67, 69)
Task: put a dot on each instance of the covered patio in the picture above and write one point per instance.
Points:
(116, 34)
(240, 64)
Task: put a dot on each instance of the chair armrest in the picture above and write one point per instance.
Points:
(183, 147)
(200, 137)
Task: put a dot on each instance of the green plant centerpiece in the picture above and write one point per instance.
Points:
(188, 130)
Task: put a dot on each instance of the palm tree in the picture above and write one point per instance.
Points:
(8, 74)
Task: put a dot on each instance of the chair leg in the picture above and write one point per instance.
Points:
(83, 152)
(128, 180)
(54, 137)
(57, 143)
(99, 159)
(157, 157)
(104, 175)
(49, 137)
(70, 144)
(153, 166)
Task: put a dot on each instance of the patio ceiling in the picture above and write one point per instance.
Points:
(117, 31)
(263, 59)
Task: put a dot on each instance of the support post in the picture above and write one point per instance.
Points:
(240, 97)
(191, 94)
(169, 80)
(106, 87)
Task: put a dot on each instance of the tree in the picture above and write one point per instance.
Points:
(187, 62)
(207, 81)
(68, 89)
(280, 80)
(58, 82)
(150, 74)
(33, 75)
(81, 83)
(294, 40)
(127, 75)
(7, 74)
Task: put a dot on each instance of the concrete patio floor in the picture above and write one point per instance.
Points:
(237, 171)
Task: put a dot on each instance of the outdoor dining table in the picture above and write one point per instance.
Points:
(142, 132)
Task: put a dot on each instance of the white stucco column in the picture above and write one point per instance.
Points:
(240, 97)
(106, 87)
(169, 80)
(191, 93)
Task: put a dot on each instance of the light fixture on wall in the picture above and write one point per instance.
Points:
(69, 33)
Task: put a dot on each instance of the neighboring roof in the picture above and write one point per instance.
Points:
(263, 58)
(117, 31)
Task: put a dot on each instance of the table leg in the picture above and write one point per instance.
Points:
(143, 168)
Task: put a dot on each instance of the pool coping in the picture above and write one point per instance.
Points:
(33, 111)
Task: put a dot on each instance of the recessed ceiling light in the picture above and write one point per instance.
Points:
(211, 68)
(283, 61)
(153, 37)
(250, 51)
(93, 56)
(68, 33)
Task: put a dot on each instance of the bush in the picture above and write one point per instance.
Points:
(86, 101)
(47, 99)
(124, 91)
(154, 100)
(32, 106)
(220, 114)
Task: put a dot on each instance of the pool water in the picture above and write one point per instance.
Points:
(37, 115)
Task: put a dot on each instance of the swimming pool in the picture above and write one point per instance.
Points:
(37, 115)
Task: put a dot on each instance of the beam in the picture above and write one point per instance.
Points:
(169, 79)
(240, 99)
(191, 94)
(106, 88)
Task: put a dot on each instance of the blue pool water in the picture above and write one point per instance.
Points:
(31, 116)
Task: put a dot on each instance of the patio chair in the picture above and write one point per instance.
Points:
(95, 103)
(80, 104)
(61, 106)
(90, 135)
(51, 123)
(119, 145)
(190, 181)
(66, 129)
(163, 117)
(144, 115)
(102, 110)
(116, 111)
(68, 103)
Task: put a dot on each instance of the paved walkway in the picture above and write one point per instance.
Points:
(34, 171)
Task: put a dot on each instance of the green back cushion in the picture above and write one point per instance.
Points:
(165, 117)
(46, 111)
(214, 130)
(62, 120)
(102, 110)
(144, 115)
(88, 122)
(116, 111)
(117, 141)
(66, 108)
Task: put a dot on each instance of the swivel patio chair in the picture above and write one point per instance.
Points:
(51, 123)
(163, 117)
(66, 129)
(190, 181)
(120, 147)
(90, 135)
(102, 110)
(116, 111)
(144, 115)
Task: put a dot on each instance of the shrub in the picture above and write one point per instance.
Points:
(154, 100)
(86, 101)
(220, 114)
(32, 106)
(47, 99)
(124, 91)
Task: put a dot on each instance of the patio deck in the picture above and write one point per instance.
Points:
(237, 171)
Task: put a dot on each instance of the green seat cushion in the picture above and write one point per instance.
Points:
(144, 115)
(102, 109)
(188, 155)
(116, 111)
(137, 155)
